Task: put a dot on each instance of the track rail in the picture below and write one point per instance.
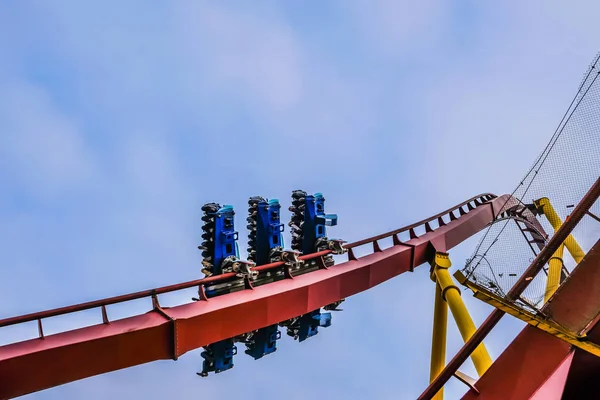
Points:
(167, 333)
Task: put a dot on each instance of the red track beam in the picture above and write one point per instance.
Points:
(480, 199)
(37, 364)
(140, 295)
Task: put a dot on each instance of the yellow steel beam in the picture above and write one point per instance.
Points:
(451, 294)
(571, 244)
(555, 266)
(538, 321)
(438, 341)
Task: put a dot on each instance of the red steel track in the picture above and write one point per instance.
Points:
(167, 333)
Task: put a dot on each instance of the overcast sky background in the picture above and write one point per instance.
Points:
(118, 120)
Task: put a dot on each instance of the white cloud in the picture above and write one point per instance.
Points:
(399, 29)
(296, 94)
(258, 57)
(401, 119)
(39, 143)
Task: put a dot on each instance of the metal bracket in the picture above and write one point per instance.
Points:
(334, 306)
(242, 269)
(539, 321)
(335, 245)
(288, 257)
(467, 380)
(327, 219)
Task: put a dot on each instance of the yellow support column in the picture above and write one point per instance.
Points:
(571, 244)
(451, 294)
(555, 266)
(438, 341)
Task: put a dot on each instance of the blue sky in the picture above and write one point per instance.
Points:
(118, 121)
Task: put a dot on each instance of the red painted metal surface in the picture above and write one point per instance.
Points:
(165, 333)
(582, 381)
(140, 295)
(536, 266)
(554, 387)
(538, 364)
(576, 303)
(462, 355)
(522, 368)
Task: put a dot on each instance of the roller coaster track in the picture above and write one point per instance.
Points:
(167, 333)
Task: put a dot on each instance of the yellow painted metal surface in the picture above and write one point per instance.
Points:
(438, 341)
(555, 266)
(532, 319)
(451, 294)
(571, 244)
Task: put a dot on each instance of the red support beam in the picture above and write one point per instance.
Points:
(522, 368)
(536, 266)
(582, 381)
(536, 364)
(554, 387)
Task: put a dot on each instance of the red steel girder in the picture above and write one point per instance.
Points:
(576, 303)
(167, 333)
(554, 387)
(537, 363)
(536, 266)
(522, 368)
(582, 313)
(582, 381)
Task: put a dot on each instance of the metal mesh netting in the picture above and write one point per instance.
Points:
(564, 171)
